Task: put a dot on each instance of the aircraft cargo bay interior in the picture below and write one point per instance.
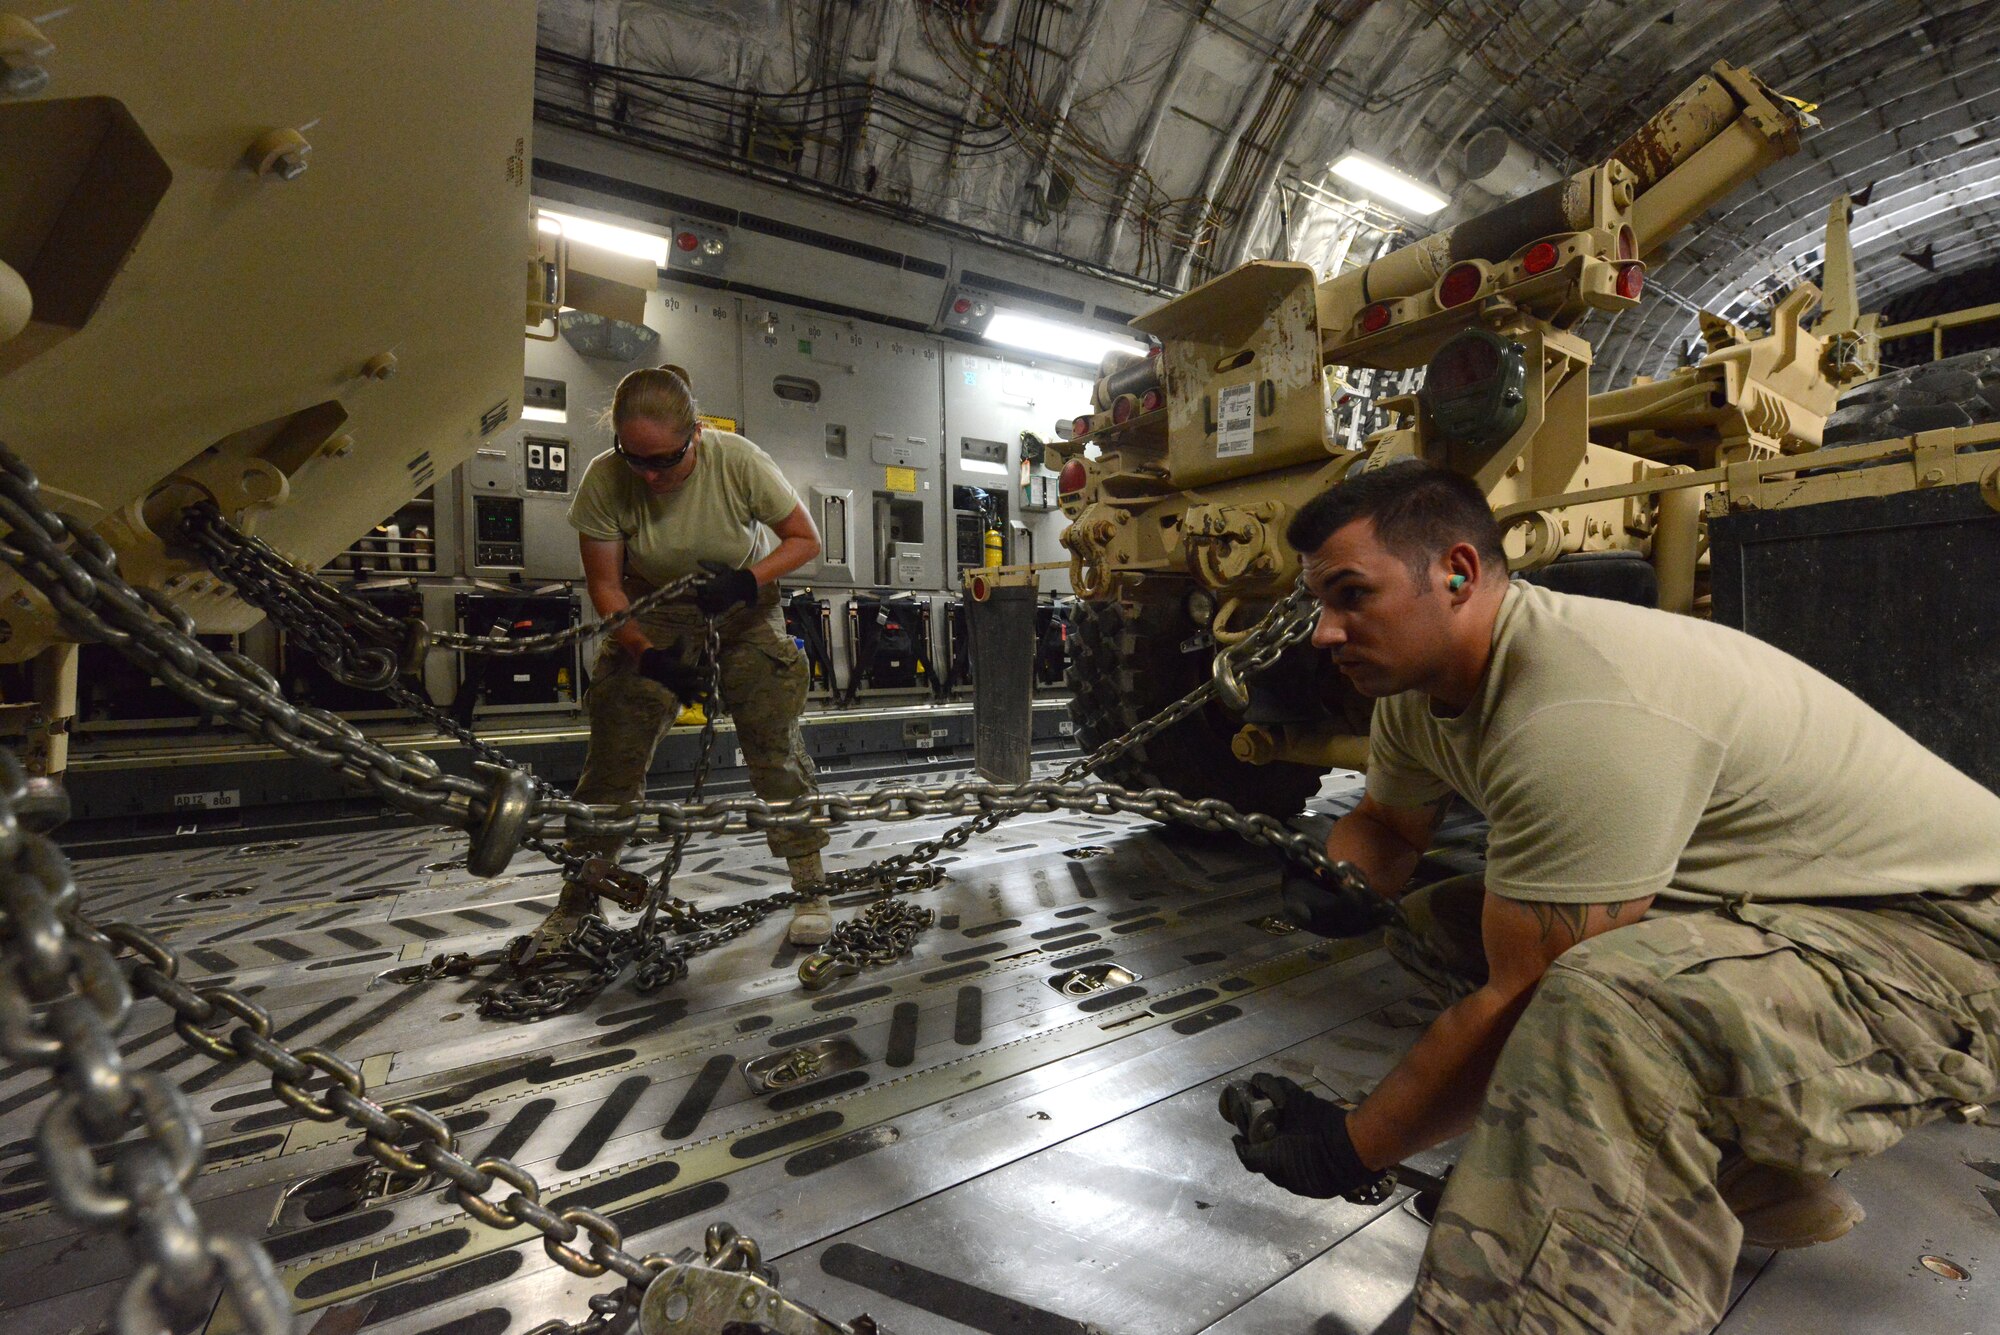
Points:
(1042, 667)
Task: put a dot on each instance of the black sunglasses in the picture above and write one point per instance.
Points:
(656, 463)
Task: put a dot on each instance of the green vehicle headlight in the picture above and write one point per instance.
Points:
(1474, 387)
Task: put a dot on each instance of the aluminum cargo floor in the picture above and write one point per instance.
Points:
(1000, 1156)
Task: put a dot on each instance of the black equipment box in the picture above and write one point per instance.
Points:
(1894, 597)
(546, 678)
(111, 688)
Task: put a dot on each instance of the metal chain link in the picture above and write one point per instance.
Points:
(48, 941)
(63, 1000)
(590, 958)
(77, 571)
(880, 934)
(321, 613)
(227, 1026)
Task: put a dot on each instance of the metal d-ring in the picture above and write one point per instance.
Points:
(508, 805)
(1229, 687)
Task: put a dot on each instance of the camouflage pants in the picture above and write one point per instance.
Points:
(763, 689)
(1803, 1036)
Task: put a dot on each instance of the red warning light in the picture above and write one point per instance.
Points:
(1072, 477)
(1374, 318)
(686, 240)
(1461, 284)
(1541, 257)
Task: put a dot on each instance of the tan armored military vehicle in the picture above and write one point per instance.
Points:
(288, 286)
(1205, 450)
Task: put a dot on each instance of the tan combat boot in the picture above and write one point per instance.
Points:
(573, 905)
(1782, 1208)
(812, 920)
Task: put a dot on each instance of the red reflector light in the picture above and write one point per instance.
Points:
(686, 240)
(961, 306)
(1631, 280)
(1374, 318)
(1541, 257)
(1072, 477)
(1151, 401)
(1461, 284)
(1122, 409)
(1080, 427)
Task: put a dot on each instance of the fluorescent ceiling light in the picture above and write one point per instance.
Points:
(531, 413)
(1389, 185)
(609, 236)
(982, 466)
(1053, 339)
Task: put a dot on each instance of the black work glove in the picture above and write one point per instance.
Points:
(1329, 909)
(724, 589)
(1295, 1139)
(686, 680)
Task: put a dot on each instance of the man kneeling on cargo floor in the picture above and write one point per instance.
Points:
(1736, 930)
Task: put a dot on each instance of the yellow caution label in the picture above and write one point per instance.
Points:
(899, 479)
(719, 423)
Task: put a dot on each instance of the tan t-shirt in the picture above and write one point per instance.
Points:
(1619, 752)
(724, 511)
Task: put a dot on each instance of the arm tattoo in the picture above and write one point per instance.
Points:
(1570, 917)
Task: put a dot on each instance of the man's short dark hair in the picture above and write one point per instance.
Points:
(1420, 511)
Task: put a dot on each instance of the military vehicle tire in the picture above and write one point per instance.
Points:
(1957, 391)
(1126, 666)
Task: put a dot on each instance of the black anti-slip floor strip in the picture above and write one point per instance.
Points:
(903, 1034)
(763, 1142)
(368, 1019)
(1207, 1019)
(1168, 1005)
(661, 1015)
(519, 1129)
(968, 1021)
(850, 1146)
(942, 1296)
(805, 1033)
(817, 1090)
(955, 971)
(666, 1209)
(383, 1264)
(325, 1237)
(1104, 1001)
(855, 998)
(486, 1321)
(452, 1282)
(619, 1185)
(700, 1095)
(603, 1123)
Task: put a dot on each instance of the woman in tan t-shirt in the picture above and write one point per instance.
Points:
(674, 497)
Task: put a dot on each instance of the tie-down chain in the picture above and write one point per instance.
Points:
(573, 971)
(46, 945)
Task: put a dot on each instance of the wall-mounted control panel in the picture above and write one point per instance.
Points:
(497, 531)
